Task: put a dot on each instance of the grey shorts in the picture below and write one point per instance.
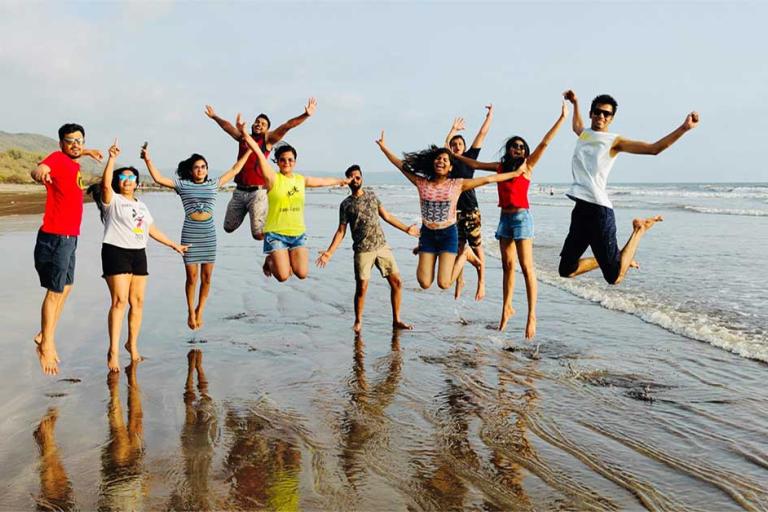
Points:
(55, 260)
(254, 203)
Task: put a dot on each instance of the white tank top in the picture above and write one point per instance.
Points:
(591, 164)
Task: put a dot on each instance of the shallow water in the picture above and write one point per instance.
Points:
(627, 403)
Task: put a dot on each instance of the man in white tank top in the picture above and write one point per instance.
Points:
(592, 220)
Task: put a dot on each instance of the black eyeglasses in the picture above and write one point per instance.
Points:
(517, 145)
(600, 112)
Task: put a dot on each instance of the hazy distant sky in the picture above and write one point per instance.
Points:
(144, 71)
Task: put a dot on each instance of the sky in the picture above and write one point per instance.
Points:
(143, 71)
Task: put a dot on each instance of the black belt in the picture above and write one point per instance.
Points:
(250, 189)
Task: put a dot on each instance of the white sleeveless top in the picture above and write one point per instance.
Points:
(126, 223)
(591, 164)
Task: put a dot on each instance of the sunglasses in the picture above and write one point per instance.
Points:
(517, 145)
(600, 112)
(129, 177)
(71, 140)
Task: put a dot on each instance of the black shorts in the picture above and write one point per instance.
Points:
(592, 226)
(470, 228)
(55, 260)
(116, 260)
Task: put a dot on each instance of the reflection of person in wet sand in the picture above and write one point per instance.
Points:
(123, 485)
(592, 220)
(55, 488)
(198, 438)
(364, 420)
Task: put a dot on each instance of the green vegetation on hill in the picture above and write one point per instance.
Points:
(20, 153)
(16, 164)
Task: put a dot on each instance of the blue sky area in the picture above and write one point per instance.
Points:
(144, 71)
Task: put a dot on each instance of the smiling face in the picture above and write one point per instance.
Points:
(442, 165)
(516, 148)
(260, 126)
(127, 181)
(601, 116)
(199, 171)
(286, 161)
(72, 144)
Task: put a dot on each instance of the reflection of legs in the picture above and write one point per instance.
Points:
(136, 303)
(299, 261)
(395, 297)
(55, 487)
(119, 286)
(425, 271)
(206, 275)
(192, 271)
(279, 264)
(508, 254)
(53, 304)
(361, 287)
(135, 411)
(525, 255)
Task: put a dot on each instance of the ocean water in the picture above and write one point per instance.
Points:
(648, 395)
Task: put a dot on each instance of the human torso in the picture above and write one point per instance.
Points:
(64, 199)
(198, 199)
(251, 175)
(592, 162)
(362, 214)
(285, 214)
(467, 199)
(438, 201)
(513, 194)
(126, 223)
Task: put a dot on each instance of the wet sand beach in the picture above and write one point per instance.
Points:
(627, 400)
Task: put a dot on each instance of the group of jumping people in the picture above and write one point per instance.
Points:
(449, 236)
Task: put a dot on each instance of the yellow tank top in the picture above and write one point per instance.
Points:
(286, 206)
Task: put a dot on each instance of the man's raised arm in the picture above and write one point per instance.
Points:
(278, 133)
(223, 123)
(645, 148)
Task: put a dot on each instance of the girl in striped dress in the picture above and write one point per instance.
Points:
(198, 196)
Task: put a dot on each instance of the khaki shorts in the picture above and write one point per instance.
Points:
(382, 258)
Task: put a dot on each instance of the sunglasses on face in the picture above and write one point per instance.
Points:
(72, 140)
(517, 145)
(600, 112)
(129, 177)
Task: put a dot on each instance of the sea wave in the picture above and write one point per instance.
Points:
(726, 211)
(706, 192)
(699, 326)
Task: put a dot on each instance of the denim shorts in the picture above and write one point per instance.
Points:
(277, 242)
(436, 241)
(55, 260)
(515, 226)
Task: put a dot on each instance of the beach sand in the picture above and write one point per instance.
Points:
(21, 199)
(274, 404)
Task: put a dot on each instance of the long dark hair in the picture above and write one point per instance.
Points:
(509, 164)
(423, 162)
(184, 170)
(95, 189)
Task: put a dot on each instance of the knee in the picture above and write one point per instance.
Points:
(136, 302)
(206, 279)
(228, 228)
(424, 282)
(119, 302)
(396, 282)
(566, 269)
(444, 284)
(282, 276)
(508, 266)
(302, 274)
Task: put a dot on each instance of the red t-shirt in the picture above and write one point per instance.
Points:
(64, 200)
(251, 175)
(513, 193)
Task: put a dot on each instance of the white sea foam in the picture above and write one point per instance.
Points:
(695, 325)
(721, 192)
(727, 211)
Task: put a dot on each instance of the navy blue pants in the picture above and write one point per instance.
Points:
(592, 226)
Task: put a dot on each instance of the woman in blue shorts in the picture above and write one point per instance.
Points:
(198, 196)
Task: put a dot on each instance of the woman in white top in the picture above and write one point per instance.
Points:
(127, 227)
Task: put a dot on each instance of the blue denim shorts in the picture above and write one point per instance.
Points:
(515, 226)
(277, 242)
(436, 241)
(55, 260)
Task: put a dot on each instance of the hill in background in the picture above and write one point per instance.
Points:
(20, 153)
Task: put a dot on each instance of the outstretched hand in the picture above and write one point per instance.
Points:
(458, 124)
(114, 150)
(240, 124)
(94, 154)
(564, 109)
(323, 259)
(311, 106)
(570, 96)
(414, 230)
(210, 112)
(489, 108)
(144, 155)
(380, 140)
(691, 121)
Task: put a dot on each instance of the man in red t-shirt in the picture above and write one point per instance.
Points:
(57, 237)
(250, 196)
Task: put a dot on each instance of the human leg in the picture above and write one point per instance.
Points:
(192, 271)
(361, 287)
(206, 276)
(577, 241)
(508, 255)
(138, 285)
(119, 286)
(425, 270)
(299, 258)
(448, 268)
(627, 261)
(236, 210)
(395, 298)
(280, 264)
(460, 277)
(257, 211)
(525, 255)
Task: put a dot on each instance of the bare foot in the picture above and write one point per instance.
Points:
(459, 287)
(357, 327)
(646, 224)
(530, 328)
(506, 313)
(113, 361)
(198, 317)
(134, 351)
(399, 324)
(265, 268)
(49, 359)
(480, 294)
(192, 320)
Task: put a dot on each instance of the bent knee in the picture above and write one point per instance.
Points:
(444, 284)
(566, 269)
(425, 283)
(282, 277)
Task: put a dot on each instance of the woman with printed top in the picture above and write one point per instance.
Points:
(439, 195)
(127, 227)
(284, 230)
(198, 197)
(515, 230)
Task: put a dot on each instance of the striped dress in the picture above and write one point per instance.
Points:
(200, 236)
